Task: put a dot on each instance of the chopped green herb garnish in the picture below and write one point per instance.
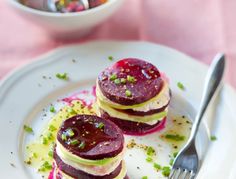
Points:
(175, 154)
(52, 128)
(50, 136)
(123, 80)
(175, 137)
(35, 155)
(157, 166)
(131, 79)
(117, 81)
(181, 86)
(45, 167)
(166, 171)
(151, 151)
(213, 138)
(28, 129)
(111, 58)
(113, 77)
(82, 145)
(50, 153)
(62, 76)
(100, 125)
(63, 137)
(74, 142)
(70, 132)
(128, 93)
(149, 159)
(44, 141)
(52, 109)
(72, 111)
(171, 161)
(144, 177)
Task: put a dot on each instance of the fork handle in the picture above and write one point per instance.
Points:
(212, 82)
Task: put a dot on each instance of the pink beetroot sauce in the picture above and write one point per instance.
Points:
(86, 97)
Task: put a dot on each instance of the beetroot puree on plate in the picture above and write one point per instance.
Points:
(93, 137)
(130, 81)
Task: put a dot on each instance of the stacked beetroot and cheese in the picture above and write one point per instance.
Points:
(88, 147)
(133, 94)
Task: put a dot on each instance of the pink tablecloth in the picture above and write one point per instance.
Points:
(198, 28)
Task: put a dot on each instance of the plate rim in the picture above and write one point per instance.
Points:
(44, 58)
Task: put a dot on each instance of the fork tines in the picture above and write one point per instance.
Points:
(178, 173)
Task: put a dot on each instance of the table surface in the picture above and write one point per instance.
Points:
(198, 28)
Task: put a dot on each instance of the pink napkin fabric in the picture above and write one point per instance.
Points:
(198, 28)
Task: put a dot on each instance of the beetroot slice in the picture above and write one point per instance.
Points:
(141, 79)
(135, 128)
(94, 138)
(75, 173)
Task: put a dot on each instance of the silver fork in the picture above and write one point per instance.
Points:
(187, 163)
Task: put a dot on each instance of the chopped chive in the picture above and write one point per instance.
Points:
(52, 128)
(175, 154)
(44, 141)
(149, 159)
(63, 137)
(72, 111)
(35, 155)
(171, 161)
(62, 76)
(128, 93)
(70, 132)
(28, 129)
(213, 138)
(111, 58)
(151, 151)
(157, 166)
(113, 77)
(45, 167)
(82, 145)
(50, 136)
(50, 153)
(74, 142)
(123, 80)
(52, 109)
(175, 137)
(166, 171)
(144, 177)
(100, 125)
(181, 86)
(131, 79)
(117, 81)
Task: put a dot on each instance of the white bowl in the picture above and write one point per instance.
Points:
(67, 25)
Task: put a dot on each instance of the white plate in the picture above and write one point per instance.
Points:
(25, 93)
